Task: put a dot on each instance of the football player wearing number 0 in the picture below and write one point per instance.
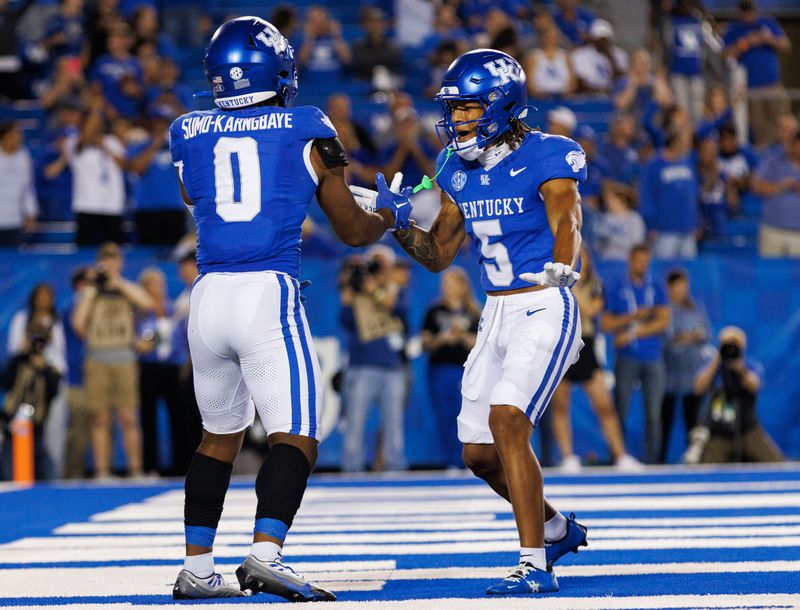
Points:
(514, 191)
(249, 170)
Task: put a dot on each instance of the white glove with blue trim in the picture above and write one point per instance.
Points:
(389, 197)
(556, 275)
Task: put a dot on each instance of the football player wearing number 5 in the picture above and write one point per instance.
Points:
(514, 191)
(249, 170)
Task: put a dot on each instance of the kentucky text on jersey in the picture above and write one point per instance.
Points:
(510, 231)
(193, 126)
(482, 208)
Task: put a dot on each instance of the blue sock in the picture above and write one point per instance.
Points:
(200, 535)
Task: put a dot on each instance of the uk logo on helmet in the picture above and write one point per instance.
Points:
(502, 69)
(271, 37)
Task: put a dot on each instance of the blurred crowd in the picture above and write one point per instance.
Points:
(700, 131)
(120, 349)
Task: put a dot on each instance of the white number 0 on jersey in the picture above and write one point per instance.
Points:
(500, 273)
(246, 151)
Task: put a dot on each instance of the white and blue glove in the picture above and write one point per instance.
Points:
(556, 275)
(387, 197)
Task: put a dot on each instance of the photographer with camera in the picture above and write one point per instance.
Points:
(29, 379)
(732, 432)
(373, 316)
(104, 318)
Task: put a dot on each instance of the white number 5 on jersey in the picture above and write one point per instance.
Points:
(248, 178)
(500, 273)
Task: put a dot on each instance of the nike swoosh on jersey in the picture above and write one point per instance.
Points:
(530, 313)
(514, 172)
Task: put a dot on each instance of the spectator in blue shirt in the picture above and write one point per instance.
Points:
(147, 30)
(169, 90)
(414, 154)
(446, 27)
(713, 199)
(55, 194)
(573, 21)
(80, 415)
(362, 166)
(685, 50)
(637, 316)
(641, 90)
(787, 128)
(617, 154)
(448, 334)
(591, 187)
(119, 75)
(778, 183)
(736, 164)
(689, 331)
(323, 54)
(755, 41)
(373, 316)
(161, 354)
(669, 197)
(375, 50)
(160, 212)
(716, 113)
(64, 31)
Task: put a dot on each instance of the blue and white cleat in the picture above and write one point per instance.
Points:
(189, 586)
(279, 579)
(525, 579)
(572, 540)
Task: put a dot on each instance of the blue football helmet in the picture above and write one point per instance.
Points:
(496, 81)
(249, 61)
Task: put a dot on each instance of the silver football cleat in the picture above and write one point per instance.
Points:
(189, 586)
(279, 579)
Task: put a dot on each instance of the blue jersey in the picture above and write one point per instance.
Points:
(503, 210)
(249, 177)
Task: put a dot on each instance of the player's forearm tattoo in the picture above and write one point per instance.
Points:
(419, 244)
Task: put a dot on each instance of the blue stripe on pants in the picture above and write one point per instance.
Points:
(294, 372)
(564, 356)
(554, 359)
(312, 390)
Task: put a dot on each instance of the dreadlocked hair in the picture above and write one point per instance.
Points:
(514, 135)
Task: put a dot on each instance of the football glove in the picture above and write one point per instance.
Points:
(557, 275)
(388, 197)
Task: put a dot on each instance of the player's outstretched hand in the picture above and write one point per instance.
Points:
(557, 275)
(390, 197)
(366, 197)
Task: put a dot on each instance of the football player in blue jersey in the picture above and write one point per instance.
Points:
(514, 191)
(249, 170)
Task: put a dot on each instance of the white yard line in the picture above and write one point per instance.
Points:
(544, 602)
(432, 523)
(509, 532)
(481, 491)
(465, 507)
(175, 552)
(157, 580)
